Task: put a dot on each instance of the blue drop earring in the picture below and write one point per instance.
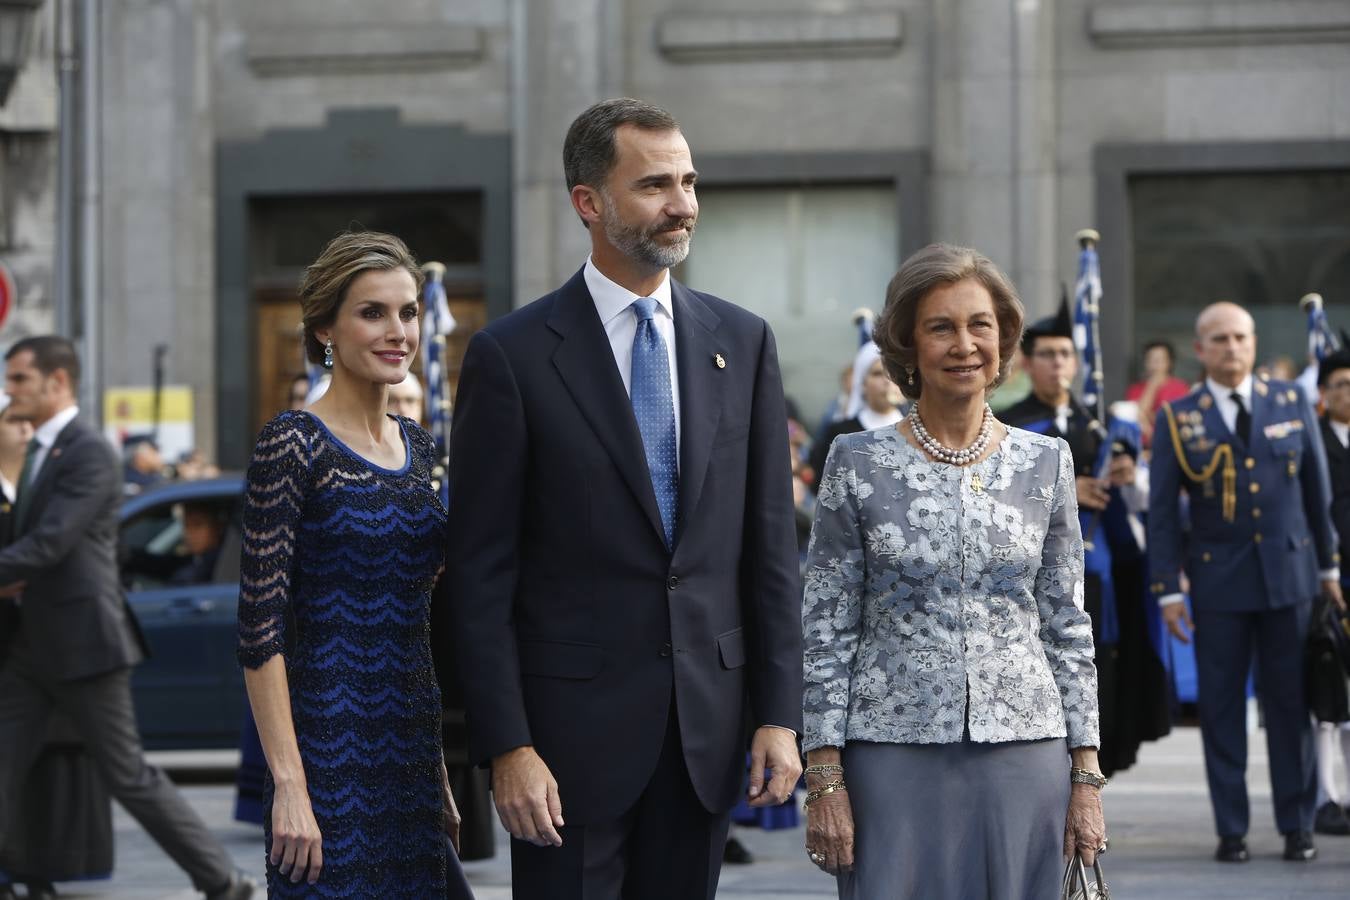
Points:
(328, 354)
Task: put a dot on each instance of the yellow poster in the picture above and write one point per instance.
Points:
(129, 411)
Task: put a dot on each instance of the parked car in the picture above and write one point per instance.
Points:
(190, 693)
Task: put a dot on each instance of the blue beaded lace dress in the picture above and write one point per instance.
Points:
(339, 560)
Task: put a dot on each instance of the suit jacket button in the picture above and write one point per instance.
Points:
(673, 582)
(1257, 537)
(666, 649)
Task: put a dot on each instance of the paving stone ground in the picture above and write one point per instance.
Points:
(1158, 816)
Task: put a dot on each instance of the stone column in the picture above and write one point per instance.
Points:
(158, 185)
(994, 137)
(566, 55)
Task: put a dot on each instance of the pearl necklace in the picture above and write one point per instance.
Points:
(956, 457)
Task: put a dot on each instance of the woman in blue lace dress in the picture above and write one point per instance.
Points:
(343, 542)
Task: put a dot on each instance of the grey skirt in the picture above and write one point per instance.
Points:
(957, 821)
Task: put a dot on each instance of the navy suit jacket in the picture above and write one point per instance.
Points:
(572, 624)
(1280, 535)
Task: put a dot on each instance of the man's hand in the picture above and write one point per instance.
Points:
(1175, 614)
(1331, 589)
(1122, 471)
(526, 797)
(1092, 494)
(13, 590)
(776, 749)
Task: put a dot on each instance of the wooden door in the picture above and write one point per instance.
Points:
(280, 356)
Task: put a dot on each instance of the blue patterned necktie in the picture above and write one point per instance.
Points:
(654, 407)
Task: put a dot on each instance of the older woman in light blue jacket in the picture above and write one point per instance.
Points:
(951, 701)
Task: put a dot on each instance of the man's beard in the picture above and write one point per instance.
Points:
(641, 244)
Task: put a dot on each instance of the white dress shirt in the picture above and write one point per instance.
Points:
(1341, 430)
(1223, 400)
(613, 302)
(46, 435)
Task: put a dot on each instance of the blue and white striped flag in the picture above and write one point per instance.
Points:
(1087, 298)
(1322, 341)
(437, 323)
(865, 320)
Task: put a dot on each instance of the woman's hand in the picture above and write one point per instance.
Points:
(297, 846)
(452, 819)
(829, 832)
(1085, 826)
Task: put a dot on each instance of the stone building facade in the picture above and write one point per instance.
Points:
(1208, 141)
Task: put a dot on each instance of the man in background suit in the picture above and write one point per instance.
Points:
(622, 566)
(76, 639)
(1333, 381)
(1248, 453)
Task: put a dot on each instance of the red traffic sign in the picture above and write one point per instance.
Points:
(7, 294)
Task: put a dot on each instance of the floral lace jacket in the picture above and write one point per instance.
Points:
(939, 596)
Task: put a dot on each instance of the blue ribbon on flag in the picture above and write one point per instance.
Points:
(1087, 298)
(437, 323)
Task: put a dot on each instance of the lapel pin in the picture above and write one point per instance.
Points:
(719, 360)
(1205, 401)
(56, 451)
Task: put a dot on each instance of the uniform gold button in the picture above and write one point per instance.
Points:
(1256, 513)
(1257, 537)
(1205, 556)
(1251, 463)
(1254, 488)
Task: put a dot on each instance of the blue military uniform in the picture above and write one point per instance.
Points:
(1259, 533)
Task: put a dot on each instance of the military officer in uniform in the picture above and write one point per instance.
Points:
(1131, 679)
(1248, 453)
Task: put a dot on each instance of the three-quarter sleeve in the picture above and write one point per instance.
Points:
(273, 503)
(1066, 629)
(832, 601)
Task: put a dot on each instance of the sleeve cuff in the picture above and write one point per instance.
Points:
(1169, 599)
(1332, 574)
(790, 731)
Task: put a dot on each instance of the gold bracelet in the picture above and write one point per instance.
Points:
(813, 796)
(1087, 776)
(824, 769)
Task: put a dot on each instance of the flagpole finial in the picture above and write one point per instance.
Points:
(434, 270)
(1087, 236)
(1309, 302)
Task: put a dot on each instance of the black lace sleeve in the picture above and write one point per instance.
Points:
(273, 504)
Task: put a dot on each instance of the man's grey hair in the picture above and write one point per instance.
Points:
(589, 152)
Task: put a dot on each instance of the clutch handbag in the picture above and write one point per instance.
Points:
(1082, 883)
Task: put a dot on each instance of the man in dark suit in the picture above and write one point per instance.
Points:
(76, 639)
(1333, 739)
(1248, 453)
(622, 565)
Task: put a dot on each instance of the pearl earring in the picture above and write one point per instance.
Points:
(328, 354)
